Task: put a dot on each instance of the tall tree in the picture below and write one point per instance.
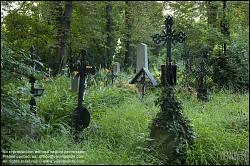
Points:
(128, 38)
(109, 30)
(63, 21)
(224, 25)
(212, 12)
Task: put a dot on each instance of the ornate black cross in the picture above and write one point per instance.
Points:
(168, 37)
(81, 116)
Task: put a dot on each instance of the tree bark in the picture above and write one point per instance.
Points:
(63, 21)
(109, 30)
(212, 10)
(224, 26)
(128, 41)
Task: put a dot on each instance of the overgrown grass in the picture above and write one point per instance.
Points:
(117, 137)
(222, 129)
(120, 124)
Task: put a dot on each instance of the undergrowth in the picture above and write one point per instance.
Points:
(120, 121)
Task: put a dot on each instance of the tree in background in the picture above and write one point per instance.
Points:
(51, 30)
(202, 22)
(128, 25)
(63, 20)
(230, 60)
(109, 30)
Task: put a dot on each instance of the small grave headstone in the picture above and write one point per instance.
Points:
(116, 68)
(74, 83)
(142, 57)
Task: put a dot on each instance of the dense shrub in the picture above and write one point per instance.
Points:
(16, 118)
(231, 70)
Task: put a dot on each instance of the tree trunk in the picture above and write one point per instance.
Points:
(63, 21)
(128, 25)
(109, 30)
(212, 10)
(59, 27)
(224, 26)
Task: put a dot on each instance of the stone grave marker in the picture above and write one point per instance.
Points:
(74, 83)
(142, 57)
(116, 68)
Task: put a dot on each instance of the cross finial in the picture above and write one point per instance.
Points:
(169, 22)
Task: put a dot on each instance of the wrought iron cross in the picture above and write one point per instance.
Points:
(168, 37)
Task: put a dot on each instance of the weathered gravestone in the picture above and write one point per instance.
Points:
(170, 132)
(142, 57)
(142, 69)
(74, 83)
(75, 79)
(116, 68)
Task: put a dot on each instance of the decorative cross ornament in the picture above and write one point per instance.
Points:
(168, 37)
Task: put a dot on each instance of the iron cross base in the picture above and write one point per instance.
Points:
(168, 76)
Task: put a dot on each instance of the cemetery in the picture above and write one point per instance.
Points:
(125, 82)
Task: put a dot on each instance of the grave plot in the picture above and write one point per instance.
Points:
(170, 130)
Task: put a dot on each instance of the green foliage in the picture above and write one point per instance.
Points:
(171, 119)
(57, 104)
(119, 128)
(222, 133)
(120, 135)
(24, 28)
(14, 62)
(98, 101)
(203, 28)
(16, 118)
(91, 33)
(231, 70)
(88, 29)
